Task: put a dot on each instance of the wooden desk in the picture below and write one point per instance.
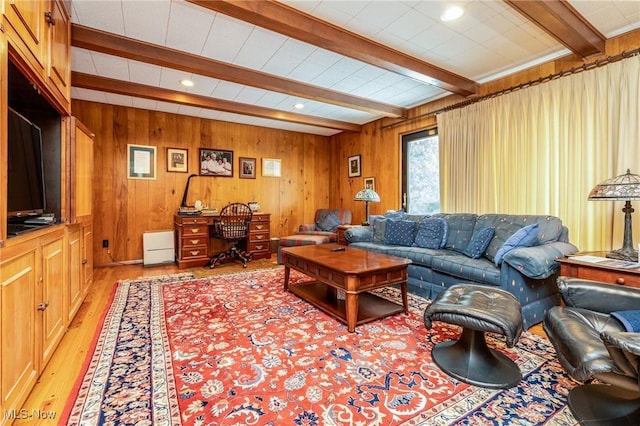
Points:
(572, 267)
(192, 239)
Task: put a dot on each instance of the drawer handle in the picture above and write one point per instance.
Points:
(259, 226)
(195, 253)
(259, 237)
(620, 280)
(194, 242)
(259, 247)
(195, 230)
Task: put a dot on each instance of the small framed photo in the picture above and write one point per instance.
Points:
(216, 162)
(141, 162)
(271, 167)
(354, 166)
(247, 167)
(177, 160)
(370, 183)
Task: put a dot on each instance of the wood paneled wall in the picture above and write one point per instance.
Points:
(125, 208)
(379, 143)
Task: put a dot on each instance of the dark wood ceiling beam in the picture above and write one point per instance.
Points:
(293, 23)
(92, 82)
(560, 20)
(113, 44)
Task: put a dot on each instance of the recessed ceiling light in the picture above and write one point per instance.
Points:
(452, 13)
(186, 82)
(299, 105)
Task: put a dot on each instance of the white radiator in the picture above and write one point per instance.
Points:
(158, 248)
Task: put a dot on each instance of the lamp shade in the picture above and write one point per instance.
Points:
(623, 187)
(367, 195)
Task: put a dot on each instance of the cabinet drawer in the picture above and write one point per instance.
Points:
(259, 226)
(194, 221)
(193, 252)
(189, 231)
(607, 276)
(190, 241)
(255, 247)
(258, 237)
(260, 218)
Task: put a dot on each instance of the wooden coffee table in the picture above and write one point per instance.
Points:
(352, 270)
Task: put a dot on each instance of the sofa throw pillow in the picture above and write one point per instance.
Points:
(503, 231)
(400, 232)
(394, 214)
(328, 223)
(429, 233)
(524, 237)
(630, 319)
(479, 242)
(378, 228)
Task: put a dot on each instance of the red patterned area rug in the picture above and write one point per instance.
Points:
(237, 350)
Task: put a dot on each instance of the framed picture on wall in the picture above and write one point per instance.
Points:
(247, 168)
(271, 167)
(216, 162)
(370, 183)
(177, 160)
(354, 166)
(141, 162)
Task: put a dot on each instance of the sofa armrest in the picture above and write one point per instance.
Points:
(538, 262)
(358, 234)
(307, 227)
(598, 296)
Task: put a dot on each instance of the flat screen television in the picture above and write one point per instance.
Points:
(25, 179)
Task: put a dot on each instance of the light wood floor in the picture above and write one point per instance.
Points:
(56, 382)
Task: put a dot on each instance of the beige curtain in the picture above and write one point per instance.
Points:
(541, 150)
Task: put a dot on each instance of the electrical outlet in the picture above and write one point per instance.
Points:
(105, 243)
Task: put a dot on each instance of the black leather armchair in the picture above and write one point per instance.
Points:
(591, 344)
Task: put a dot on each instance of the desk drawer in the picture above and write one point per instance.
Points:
(255, 247)
(189, 231)
(191, 241)
(259, 237)
(194, 221)
(194, 252)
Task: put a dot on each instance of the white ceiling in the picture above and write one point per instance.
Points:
(489, 41)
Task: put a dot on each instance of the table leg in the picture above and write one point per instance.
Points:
(286, 278)
(405, 298)
(351, 306)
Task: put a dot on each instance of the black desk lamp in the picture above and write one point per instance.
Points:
(186, 190)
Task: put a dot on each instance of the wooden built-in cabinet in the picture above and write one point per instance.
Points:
(192, 240)
(45, 273)
(32, 319)
(40, 33)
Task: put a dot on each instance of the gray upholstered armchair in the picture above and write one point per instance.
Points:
(594, 345)
(325, 223)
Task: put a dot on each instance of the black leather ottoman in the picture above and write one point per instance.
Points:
(477, 309)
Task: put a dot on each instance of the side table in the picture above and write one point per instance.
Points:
(605, 271)
(340, 230)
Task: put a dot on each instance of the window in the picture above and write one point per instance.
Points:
(421, 172)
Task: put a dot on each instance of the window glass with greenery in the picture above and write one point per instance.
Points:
(421, 172)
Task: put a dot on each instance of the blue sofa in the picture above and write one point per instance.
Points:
(513, 252)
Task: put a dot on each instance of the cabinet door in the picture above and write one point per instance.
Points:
(81, 172)
(87, 257)
(59, 58)
(74, 289)
(26, 19)
(18, 352)
(51, 304)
